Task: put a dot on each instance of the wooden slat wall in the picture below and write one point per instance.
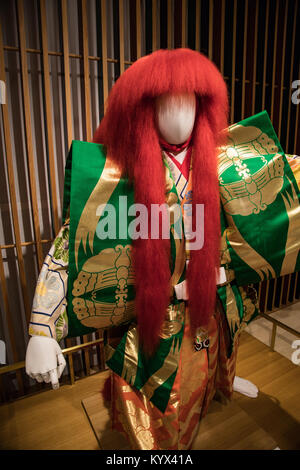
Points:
(254, 60)
(233, 63)
(121, 36)
(12, 190)
(265, 55)
(48, 104)
(28, 129)
(154, 25)
(259, 62)
(86, 68)
(244, 59)
(274, 60)
(104, 50)
(65, 34)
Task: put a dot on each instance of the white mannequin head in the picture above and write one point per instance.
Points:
(175, 116)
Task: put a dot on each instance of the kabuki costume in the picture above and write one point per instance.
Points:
(182, 308)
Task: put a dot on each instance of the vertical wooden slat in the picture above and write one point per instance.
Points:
(274, 292)
(86, 71)
(65, 35)
(10, 323)
(2, 391)
(12, 190)
(273, 336)
(104, 51)
(132, 29)
(183, 23)
(291, 76)
(28, 131)
(100, 350)
(262, 289)
(282, 288)
(274, 61)
(255, 57)
(48, 106)
(244, 58)
(233, 63)
(263, 101)
(295, 286)
(87, 99)
(259, 293)
(296, 127)
(266, 296)
(102, 355)
(7, 310)
(198, 22)
(211, 29)
(282, 68)
(154, 25)
(86, 352)
(170, 24)
(121, 35)
(222, 36)
(138, 30)
(288, 290)
(71, 368)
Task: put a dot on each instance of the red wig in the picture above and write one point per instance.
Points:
(128, 130)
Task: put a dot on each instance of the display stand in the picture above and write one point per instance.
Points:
(225, 427)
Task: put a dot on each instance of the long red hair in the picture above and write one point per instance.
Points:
(129, 132)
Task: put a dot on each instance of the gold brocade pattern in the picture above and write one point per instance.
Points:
(171, 326)
(292, 206)
(179, 262)
(99, 197)
(174, 320)
(199, 375)
(110, 273)
(254, 191)
(178, 234)
(246, 252)
(131, 355)
(258, 182)
(294, 162)
(232, 311)
(111, 268)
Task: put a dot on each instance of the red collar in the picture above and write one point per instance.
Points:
(183, 167)
(173, 147)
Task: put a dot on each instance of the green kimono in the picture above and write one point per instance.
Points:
(87, 281)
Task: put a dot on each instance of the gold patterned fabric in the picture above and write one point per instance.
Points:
(199, 372)
(260, 201)
(200, 375)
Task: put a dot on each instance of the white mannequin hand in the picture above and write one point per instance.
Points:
(44, 360)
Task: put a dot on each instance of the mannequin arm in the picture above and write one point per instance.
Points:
(49, 323)
(48, 317)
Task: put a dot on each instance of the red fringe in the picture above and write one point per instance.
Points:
(128, 130)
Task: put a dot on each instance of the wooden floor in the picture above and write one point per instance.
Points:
(56, 419)
(213, 433)
(277, 408)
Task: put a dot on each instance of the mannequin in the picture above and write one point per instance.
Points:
(175, 117)
(175, 121)
(161, 134)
